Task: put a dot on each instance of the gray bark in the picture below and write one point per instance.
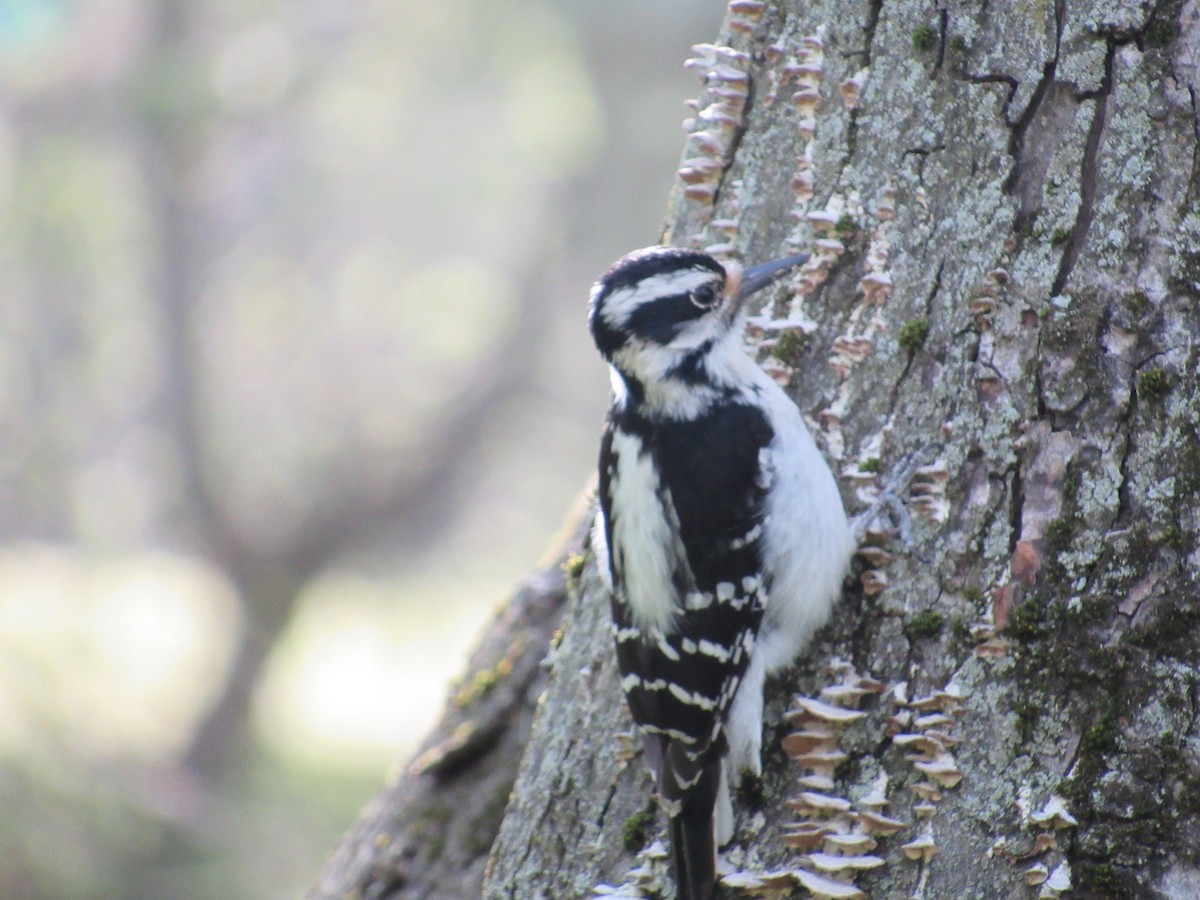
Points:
(428, 835)
(1012, 301)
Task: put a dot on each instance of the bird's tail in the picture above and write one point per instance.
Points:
(693, 843)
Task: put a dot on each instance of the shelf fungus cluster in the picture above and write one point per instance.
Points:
(851, 88)
(833, 837)
(927, 494)
(990, 643)
(712, 132)
(648, 878)
(985, 296)
(745, 15)
(805, 73)
(814, 230)
(873, 551)
(865, 322)
(924, 729)
(1045, 823)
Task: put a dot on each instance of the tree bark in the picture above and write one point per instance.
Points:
(1001, 200)
(427, 836)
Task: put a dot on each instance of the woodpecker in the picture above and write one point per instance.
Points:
(720, 531)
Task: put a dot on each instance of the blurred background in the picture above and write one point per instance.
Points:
(294, 385)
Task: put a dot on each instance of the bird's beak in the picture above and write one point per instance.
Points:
(758, 277)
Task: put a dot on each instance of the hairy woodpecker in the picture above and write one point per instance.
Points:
(720, 528)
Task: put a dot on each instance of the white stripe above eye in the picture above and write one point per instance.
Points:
(618, 306)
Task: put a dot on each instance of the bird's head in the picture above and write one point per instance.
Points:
(662, 312)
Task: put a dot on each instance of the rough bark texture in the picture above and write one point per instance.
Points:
(428, 835)
(1007, 289)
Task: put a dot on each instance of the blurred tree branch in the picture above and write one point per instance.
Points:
(269, 581)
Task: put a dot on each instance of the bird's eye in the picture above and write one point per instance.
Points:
(705, 297)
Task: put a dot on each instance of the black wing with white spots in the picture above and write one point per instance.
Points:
(680, 682)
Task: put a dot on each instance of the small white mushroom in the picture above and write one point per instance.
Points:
(727, 74)
(807, 99)
(719, 117)
(808, 73)
(927, 791)
(873, 581)
(1059, 881)
(800, 742)
(876, 823)
(809, 802)
(932, 720)
(818, 782)
(876, 556)
(742, 881)
(1044, 842)
(876, 287)
(876, 798)
(1035, 874)
(699, 169)
(826, 712)
(802, 184)
(851, 88)
(708, 143)
(657, 850)
(846, 694)
(822, 760)
(923, 847)
(1054, 814)
(928, 748)
(827, 862)
(806, 835)
(830, 245)
(750, 9)
(943, 770)
(944, 738)
(821, 219)
(850, 843)
(935, 701)
(827, 888)
(701, 193)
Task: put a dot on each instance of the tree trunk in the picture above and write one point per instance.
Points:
(428, 835)
(1000, 200)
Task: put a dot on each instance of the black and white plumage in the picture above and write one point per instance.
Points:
(720, 527)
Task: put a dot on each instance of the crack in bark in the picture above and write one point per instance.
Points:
(1020, 179)
(943, 26)
(873, 11)
(1020, 127)
(612, 792)
(1088, 176)
(874, 8)
(933, 292)
(1193, 189)
(1016, 511)
(1124, 428)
